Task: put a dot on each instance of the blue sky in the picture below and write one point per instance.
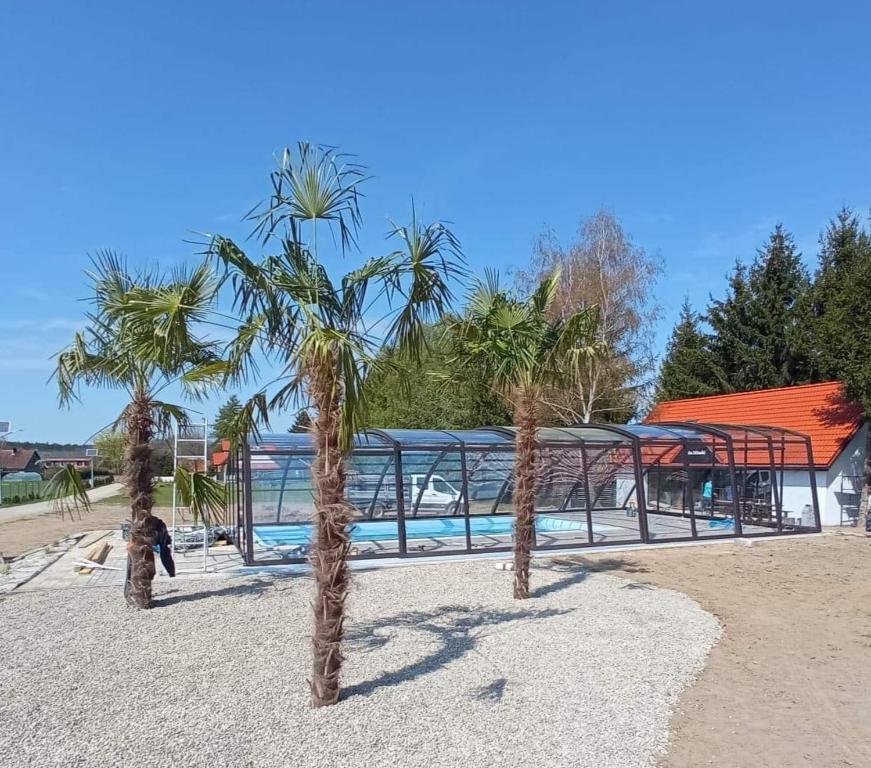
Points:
(130, 125)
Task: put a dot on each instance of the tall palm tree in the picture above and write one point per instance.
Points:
(523, 349)
(140, 338)
(326, 335)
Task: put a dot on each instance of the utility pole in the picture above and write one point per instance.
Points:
(92, 453)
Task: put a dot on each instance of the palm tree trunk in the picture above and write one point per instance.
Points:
(525, 463)
(139, 431)
(332, 540)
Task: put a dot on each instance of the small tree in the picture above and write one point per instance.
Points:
(525, 348)
(602, 268)
(110, 447)
(140, 339)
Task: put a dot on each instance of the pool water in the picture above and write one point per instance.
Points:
(415, 528)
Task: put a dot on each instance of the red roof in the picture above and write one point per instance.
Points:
(820, 411)
(18, 459)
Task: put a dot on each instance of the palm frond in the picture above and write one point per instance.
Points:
(202, 495)
(246, 423)
(430, 258)
(67, 492)
(92, 361)
(544, 295)
(167, 417)
(316, 183)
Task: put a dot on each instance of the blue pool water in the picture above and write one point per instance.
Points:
(415, 528)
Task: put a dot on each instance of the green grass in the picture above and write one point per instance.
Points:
(162, 497)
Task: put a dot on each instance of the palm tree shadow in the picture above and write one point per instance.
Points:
(253, 588)
(457, 630)
(574, 574)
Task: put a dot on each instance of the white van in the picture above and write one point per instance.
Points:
(438, 494)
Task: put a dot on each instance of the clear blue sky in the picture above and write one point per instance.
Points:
(128, 125)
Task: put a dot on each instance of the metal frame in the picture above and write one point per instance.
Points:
(669, 439)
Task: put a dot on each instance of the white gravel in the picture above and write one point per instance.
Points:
(443, 669)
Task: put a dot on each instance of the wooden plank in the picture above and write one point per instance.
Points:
(97, 554)
(89, 539)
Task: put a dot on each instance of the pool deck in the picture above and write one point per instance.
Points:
(225, 561)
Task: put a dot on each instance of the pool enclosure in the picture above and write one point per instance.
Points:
(413, 493)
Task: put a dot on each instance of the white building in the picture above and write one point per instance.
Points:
(821, 411)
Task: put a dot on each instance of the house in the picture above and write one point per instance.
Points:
(834, 425)
(19, 460)
(79, 462)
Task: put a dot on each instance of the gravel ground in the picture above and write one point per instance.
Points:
(443, 669)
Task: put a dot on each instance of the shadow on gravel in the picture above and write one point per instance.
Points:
(173, 597)
(605, 564)
(493, 692)
(456, 628)
(574, 574)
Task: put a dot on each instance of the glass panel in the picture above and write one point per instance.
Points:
(611, 479)
(489, 475)
(596, 434)
(282, 442)
(420, 436)
(294, 441)
(475, 437)
(435, 519)
(370, 486)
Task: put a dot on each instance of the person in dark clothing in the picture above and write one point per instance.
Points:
(145, 536)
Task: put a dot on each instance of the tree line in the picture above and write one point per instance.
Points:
(779, 325)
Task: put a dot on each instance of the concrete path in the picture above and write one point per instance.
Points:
(38, 508)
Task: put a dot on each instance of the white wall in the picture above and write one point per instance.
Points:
(797, 495)
(841, 506)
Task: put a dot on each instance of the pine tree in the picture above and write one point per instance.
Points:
(778, 285)
(760, 329)
(730, 320)
(302, 422)
(690, 368)
(223, 428)
(844, 246)
(842, 305)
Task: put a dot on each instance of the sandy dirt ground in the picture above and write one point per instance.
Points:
(789, 684)
(22, 535)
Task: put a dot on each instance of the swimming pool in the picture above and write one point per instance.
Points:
(415, 528)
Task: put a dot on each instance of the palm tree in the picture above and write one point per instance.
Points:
(326, 335)
(524, 349)
(140, 339)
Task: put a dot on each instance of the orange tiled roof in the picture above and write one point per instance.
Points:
(820, 411)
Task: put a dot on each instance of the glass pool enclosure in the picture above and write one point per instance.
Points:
(413, 493)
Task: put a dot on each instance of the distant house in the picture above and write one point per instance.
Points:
(79, 462)
(19, 460)
(820, 411)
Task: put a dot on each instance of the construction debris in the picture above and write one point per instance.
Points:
(96, 557)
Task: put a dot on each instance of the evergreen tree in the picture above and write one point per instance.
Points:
(690, 368)
(844, 248)
(760, 329)
(302, 422)
(778, 285)
(842, 304)
(228, 414)
(730, 320)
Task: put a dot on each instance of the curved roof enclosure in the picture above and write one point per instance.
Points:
(412, 493)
